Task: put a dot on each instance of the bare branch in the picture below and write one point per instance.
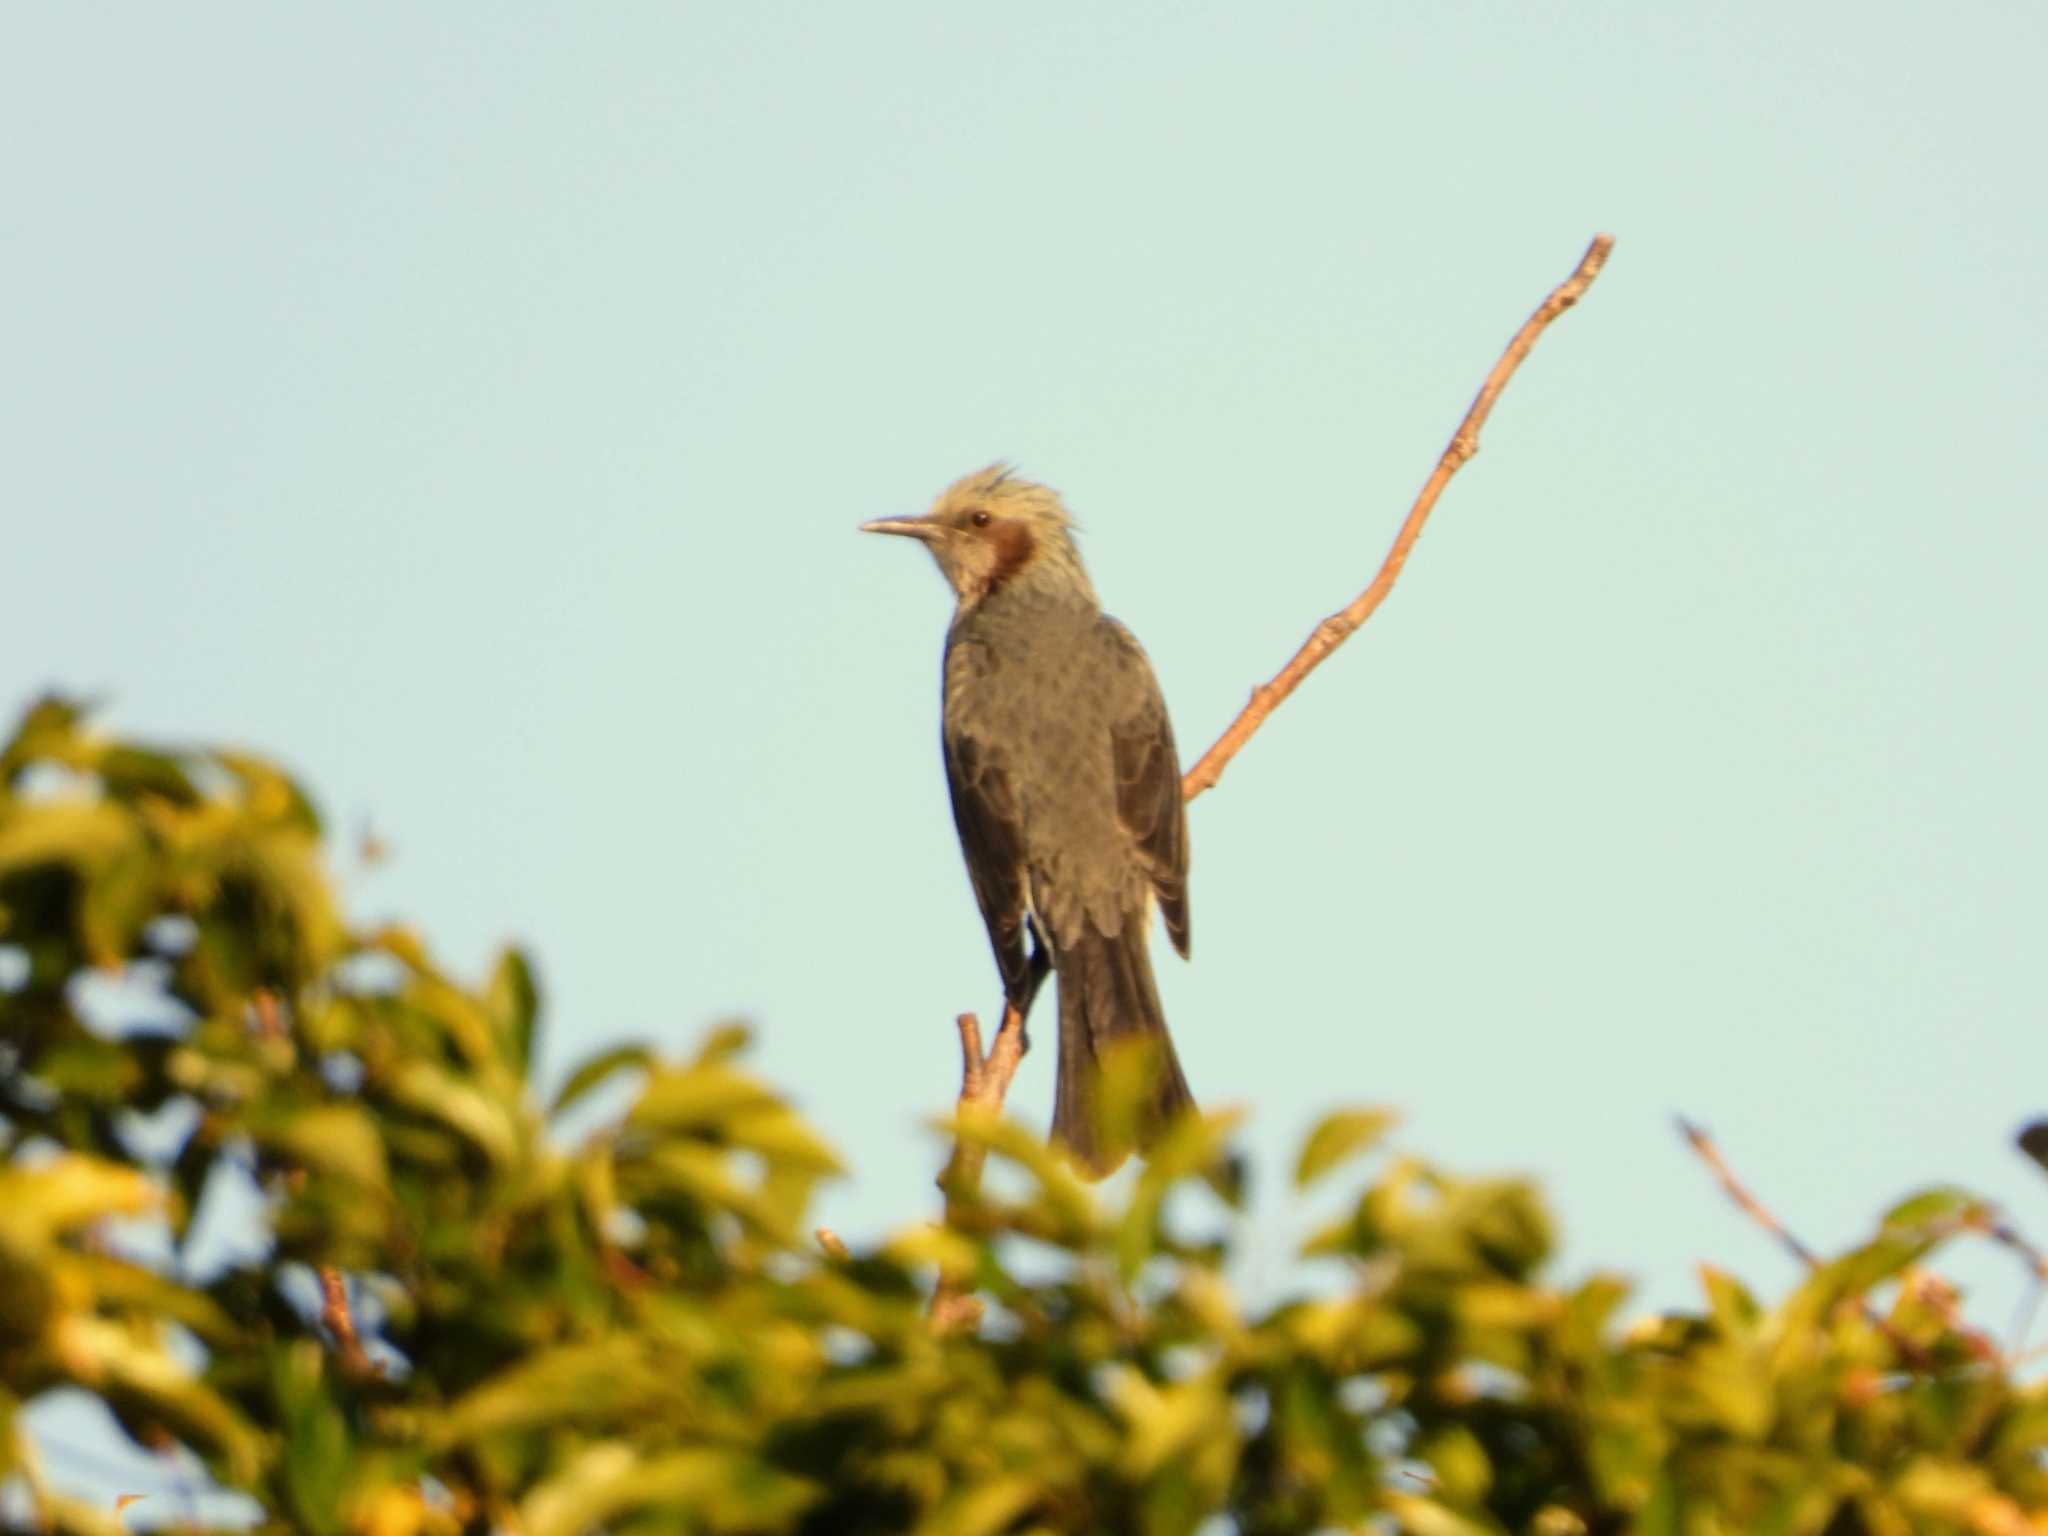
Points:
(334, 1316)
(984, 1084)
(1338, 627)
(1697, 1138)
(1934, 1292)
(1987, 1220)
(1703, 1146)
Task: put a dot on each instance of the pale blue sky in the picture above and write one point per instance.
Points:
(473, 406)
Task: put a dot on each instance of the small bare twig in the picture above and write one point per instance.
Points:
(833, 1244)
(1703, 1146)
(334, 1316)
(2003, 1233)
(1986, 1219)
(1338, 627)
(622, 1271)
(955, 1307)
(1933, 1292)
(985, 1079)
(268, 1015)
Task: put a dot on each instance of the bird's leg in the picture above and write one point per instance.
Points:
(1037, 968)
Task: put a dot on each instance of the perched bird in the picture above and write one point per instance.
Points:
(1065, 788)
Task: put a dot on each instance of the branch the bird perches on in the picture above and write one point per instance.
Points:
(986, 1076)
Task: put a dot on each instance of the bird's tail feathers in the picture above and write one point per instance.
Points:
(1120, 1085)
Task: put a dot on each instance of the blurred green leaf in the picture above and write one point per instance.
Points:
(68, 1192)
(46, 729)
(483, 1122)
(701, 1097)
(1459, 1460)
(780, 1135)
(85, 834)
(513, 998)
(120, 896)
(597, 1070)
(272, 795)
(1339, 1137)
(1415, 1516)
(88, 1068)
(1195, 1143)
(983, 1509)
(610, 1378)
(131, 771)
(723, 1043)
(1069, 1211)
(1930, 1206)
(316, 1440)
(1167, 1421)
(1733, 1307)
(340, 1139)
(130, 1367)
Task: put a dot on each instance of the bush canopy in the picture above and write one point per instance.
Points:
(464, 1319)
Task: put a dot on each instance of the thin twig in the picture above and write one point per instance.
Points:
(2009, 1237)
(1702, 1144)
(985, 1079)
(269, 1016)
(1338, 627)
(334, 1316)
(1932, 1291)
(2023, 1323)
(1987, 1220)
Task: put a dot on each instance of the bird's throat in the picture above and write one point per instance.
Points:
(1014, 549)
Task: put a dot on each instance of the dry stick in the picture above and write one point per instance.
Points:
(1702, 1144)
(985, 1080)
(1337, 628)
(1985, 1219)
(1981, 1219)
(334, 1315)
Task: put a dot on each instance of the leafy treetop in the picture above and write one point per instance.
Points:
(629, 1331)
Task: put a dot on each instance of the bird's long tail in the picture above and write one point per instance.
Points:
(1107, 999)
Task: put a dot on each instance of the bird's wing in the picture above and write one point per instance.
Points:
(991, 828)
(1148, 799)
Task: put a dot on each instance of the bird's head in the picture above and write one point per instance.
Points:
(991, 530)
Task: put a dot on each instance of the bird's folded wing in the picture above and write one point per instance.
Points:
(1148, 800)
(992, 839)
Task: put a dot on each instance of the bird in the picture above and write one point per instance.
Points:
(1065, 789)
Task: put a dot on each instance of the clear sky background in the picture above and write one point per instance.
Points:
(473, 406)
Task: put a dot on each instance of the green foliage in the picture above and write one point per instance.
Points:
(631, 1331)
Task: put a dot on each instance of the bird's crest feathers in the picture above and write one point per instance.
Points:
(1001, 490)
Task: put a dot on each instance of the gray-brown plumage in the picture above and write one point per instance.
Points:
(1065, 787)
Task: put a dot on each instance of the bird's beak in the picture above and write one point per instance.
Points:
(910, 527)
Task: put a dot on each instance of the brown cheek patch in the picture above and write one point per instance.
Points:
(1012, 544)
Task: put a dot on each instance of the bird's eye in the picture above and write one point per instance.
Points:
(979, 519)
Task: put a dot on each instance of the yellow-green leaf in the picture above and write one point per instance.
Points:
(1338, 1138)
